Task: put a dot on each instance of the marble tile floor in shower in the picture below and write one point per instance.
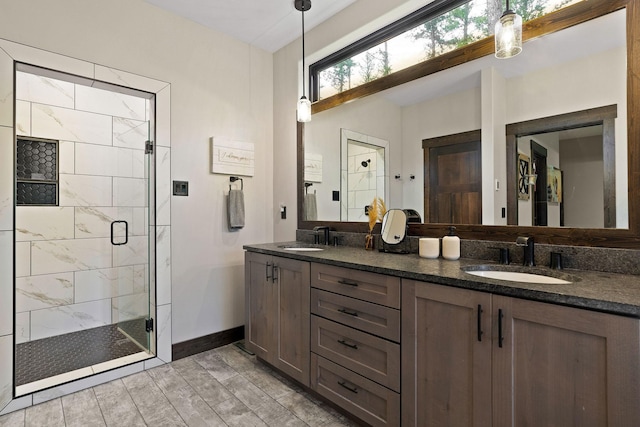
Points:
(221, 387)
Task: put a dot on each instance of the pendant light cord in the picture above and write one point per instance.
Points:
(303, 66)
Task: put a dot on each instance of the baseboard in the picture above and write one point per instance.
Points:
(208, 342)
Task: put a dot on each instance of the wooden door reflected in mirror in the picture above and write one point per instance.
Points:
(453, 179)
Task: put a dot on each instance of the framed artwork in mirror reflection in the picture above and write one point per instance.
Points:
(523, 176)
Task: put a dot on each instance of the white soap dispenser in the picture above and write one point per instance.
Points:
(451, 245)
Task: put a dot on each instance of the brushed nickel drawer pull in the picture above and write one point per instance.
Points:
(347, 282)
(352, 389)
(353, 346)
(349, 312)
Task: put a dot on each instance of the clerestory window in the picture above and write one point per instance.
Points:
(439, 27)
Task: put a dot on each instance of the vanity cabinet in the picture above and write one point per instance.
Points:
(355, 342)
(476, 359)
(277, 312)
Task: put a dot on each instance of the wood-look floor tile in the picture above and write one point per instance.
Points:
(308, 411)
(276, 415)
(222, 387)
(204, 384)
(47, 414)
(266, 381)
(236, 414)
(216, 367)
(191, 407)
(236, 358)
(13, 419)
(81, 409)
(151, 402)
(247, 392)
(118, 409)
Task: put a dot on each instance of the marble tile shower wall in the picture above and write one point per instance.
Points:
(364, 182)
(68, 275)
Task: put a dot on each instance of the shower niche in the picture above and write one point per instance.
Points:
(36, 172)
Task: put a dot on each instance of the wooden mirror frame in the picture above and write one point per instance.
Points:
(556, 21)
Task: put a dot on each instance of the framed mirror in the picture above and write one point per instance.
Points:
(481, 87)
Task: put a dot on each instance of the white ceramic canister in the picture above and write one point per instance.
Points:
(451, 245)
(429, 247)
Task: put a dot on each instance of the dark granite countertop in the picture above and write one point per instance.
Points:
(606, 292)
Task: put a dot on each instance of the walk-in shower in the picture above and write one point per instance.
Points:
(84, 205)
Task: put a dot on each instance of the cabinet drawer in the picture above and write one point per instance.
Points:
(374, 404)
(373, 318)
(372, 287)
(372, 357)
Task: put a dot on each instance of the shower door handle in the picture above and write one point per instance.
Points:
(126, 233)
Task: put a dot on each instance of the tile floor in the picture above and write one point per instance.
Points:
(221, 387)
(56, 355)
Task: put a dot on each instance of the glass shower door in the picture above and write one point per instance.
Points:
(85, 227)
(134, 244)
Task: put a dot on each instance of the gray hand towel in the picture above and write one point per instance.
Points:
(310, 207)
(235, 209)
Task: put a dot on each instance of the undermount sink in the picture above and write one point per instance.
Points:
(301, 248)
(521, 274)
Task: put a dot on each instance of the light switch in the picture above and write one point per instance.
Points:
(180, 188)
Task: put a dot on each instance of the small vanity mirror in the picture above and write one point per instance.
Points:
(394, 227)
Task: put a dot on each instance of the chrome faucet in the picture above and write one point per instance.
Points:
(323, 228)
(528, 253)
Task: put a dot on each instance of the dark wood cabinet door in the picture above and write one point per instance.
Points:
(562, 366)
(260, 300)
(277, 300)
(446, 356)
(292, 312)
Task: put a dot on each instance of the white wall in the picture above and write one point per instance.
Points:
(219, 87)
(583, 182)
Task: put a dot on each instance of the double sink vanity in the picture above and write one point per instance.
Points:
(403, 340)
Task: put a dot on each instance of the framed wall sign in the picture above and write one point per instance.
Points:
(232, 157)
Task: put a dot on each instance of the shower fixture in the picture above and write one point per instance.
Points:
(365, 163)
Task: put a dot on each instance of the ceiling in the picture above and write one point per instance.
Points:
(267, 24)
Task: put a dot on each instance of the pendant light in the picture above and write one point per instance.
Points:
(304, 105)
(508, 34)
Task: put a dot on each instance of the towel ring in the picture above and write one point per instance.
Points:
(234, 179)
